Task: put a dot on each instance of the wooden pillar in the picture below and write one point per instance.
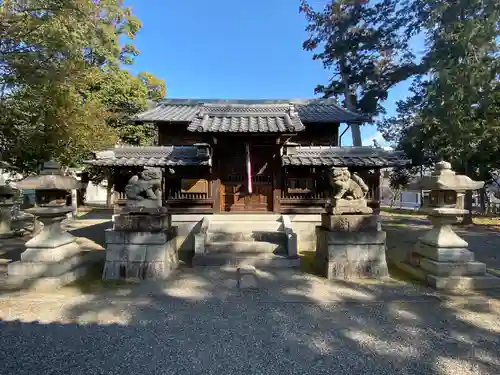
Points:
(277, 182)
(377, 193)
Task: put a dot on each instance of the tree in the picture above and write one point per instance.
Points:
(454, 113)
(62, 91)
(365, 46)
(155, 86)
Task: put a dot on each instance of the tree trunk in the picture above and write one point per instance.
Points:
(468, 206)
(350, 103)
(482, 197)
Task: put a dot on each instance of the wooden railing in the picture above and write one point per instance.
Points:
(184, 195)
(189, 195)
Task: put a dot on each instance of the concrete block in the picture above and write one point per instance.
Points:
(356, 238)
(70, 268)
(55, 254)
(136, 253)
(140, 238)
(444, 254)
(199, 243)
(116, 252)
(464, 282)
(291, 244)
(247, 277)
(156, 253)
(349, 223)
(452, 269)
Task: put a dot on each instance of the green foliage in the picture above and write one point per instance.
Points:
(454, 113)
(62, 91)
(364, 46)
(155, 86)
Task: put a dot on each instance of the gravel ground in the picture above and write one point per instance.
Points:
(200, 324)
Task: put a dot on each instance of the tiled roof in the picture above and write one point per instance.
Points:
(309, 111)
(153, 156)
(343, 157)
(254, 118)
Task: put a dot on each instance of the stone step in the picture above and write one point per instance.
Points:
(445, 269)
(243, 247)
(244, 218)
(245, 227)
(450, 283)
(259, 260)
(4, 264)
(256, 236)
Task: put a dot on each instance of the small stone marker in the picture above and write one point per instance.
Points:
(247, 277)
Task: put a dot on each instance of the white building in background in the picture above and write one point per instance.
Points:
(95, 194)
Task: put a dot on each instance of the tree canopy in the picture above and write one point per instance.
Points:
(365, 47)
(63, 92)
(453, 112)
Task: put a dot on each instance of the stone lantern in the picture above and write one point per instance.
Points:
(53, 254)
(7, 195)
(441, 257)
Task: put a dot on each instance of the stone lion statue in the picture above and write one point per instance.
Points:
(346, 186)
(144, 190)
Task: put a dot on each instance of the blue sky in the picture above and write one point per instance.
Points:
(231, 49)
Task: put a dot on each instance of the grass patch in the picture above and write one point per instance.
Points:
(486, 220)
(400, 212)
(308, 262)
(93, 280)
(401, 276)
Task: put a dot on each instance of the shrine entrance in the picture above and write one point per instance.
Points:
(238, 194)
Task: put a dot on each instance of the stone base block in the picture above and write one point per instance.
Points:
(9, 234)
(140, 255)
(247, 277)
(140, 222)
(444, 254)
(50, 274)
(446, 269)
(457, 283)
(50, 255)
(138, 238)
(345, 206)
(450, 283)
(349, 223)
(351, 255)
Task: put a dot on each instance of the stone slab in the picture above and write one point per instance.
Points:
(349, 223)
(444, 269)
(50, 237)
(464, 282)
(353, 255)
(50, 255)
(142, 222)
(356, 238)
(444, 254)
(247, 277)
(141, 238)
(140, 261)
(291, 244)
(443, 236)
(34, 270)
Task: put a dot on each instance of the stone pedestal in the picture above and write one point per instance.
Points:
(442, 259)
(52, 258)
(141, 246)
(350, 247)
(6, 219)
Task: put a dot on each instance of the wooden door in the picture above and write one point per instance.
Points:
(234, 181)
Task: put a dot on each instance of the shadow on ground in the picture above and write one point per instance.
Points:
(198, 322)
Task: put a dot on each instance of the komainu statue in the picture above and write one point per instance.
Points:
(347, 192)
(144, 190)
